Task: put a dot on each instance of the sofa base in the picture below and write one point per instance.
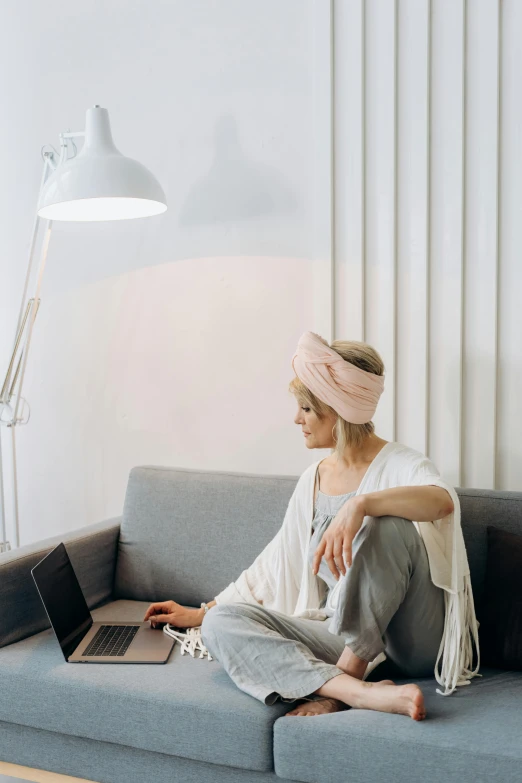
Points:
(107, 762)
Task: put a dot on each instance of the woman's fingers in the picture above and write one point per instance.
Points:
(329, 554)
(318, 555)
(161, 618)
(338, 555)
(332, 565)
(336, 551)
(343, 553)
(325, 549)
(159, 606)
(347, 551)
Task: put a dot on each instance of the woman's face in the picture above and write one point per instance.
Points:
(317, 433)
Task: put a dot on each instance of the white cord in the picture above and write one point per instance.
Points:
(190, 640)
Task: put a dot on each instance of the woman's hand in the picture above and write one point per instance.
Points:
(336, 541)
(173, 613)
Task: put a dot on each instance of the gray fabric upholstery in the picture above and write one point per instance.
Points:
(188, 533)
(92, 550)
(216, 524)
(188, 707)
(107, 762)
(480, 508)
(185, 534)
(472, 736)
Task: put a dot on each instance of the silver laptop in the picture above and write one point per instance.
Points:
(82, 640)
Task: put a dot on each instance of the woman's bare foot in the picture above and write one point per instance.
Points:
(318, 707)
(385, 696)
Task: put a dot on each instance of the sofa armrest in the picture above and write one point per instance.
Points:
(92, 550)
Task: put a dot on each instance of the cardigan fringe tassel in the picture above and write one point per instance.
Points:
(456, 647)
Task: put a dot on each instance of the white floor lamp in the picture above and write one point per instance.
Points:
(97, 184)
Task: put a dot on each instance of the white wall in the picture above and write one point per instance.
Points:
(314, 182)
(164, 341)
(427, 222)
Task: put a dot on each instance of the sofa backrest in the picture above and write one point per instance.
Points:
(186, 534)
(479, 508)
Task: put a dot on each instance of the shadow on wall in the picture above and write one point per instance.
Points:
(234, 188)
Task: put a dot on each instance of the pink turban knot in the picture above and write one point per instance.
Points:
(352, 393)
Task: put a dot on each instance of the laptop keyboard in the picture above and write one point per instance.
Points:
(112, 640)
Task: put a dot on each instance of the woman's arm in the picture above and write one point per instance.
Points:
(424, 503)
(175, 614)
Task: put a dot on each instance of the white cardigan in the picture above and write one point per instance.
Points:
(280, 578)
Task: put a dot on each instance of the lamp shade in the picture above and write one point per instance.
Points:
(100, 183)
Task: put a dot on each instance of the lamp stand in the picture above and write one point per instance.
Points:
(8, 417)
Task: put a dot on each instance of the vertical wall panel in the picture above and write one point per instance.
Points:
(349, 168)
(323, 251)
(379, 327)
(509, 413)
(413, 225)
(480, 291)
(445, 328)
(428, 228)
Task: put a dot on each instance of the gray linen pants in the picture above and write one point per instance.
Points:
(387, 603)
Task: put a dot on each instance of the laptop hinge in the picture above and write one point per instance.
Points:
(71, 642)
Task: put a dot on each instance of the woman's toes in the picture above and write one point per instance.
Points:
(415, 701)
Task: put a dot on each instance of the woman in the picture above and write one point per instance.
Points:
(371, 543)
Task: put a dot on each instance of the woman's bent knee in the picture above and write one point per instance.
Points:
(211, 620)
(387, 529)
(216, 618)
(209, 626)
(387, 517)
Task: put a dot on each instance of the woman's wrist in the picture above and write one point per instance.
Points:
(201, 612)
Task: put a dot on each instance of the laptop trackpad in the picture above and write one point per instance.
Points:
(149, 644)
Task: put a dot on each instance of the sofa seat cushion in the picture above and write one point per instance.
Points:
(188, 707)
(472, 736)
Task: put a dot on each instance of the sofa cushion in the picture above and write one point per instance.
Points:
(501, 627)
(188, 707)
(468, 737)
(109, 762)
(481, 508)
(186, 534)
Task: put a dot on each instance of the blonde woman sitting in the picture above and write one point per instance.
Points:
(369, 568)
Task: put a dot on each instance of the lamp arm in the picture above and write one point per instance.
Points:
(71, 135)
(35, 302)
(49, 163)
(6, 392)
(45, 173)
(64, 137)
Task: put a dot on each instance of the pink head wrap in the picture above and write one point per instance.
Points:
(352, 393)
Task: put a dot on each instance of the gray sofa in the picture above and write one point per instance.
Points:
(185, 534)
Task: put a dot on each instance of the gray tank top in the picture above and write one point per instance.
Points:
(326, 508)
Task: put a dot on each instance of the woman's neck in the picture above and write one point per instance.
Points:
(356, 457)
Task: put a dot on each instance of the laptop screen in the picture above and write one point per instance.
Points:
(63, 598)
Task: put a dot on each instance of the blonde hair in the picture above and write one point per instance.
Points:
(345, 433)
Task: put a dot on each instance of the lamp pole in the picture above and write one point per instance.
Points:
(8, 417)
